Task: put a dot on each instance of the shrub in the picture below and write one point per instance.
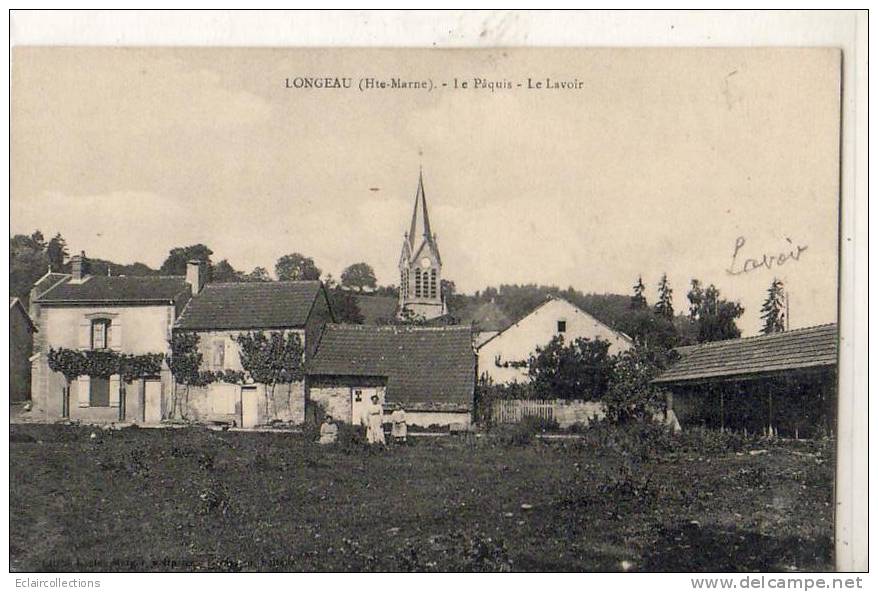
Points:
(314, 418)
(524, 432)
(352, 438)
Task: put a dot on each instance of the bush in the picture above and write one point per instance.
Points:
(314, 417)
(524, 432)
(352, 438)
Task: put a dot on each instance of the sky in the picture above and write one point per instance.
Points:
(657, 161)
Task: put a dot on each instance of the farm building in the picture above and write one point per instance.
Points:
(218, 314)
(428, 371)
(782, 383)
(504, 356)
(21, 345)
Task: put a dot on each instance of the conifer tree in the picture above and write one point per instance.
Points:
(665, 307)
(774, 309)
(638, 300)
(696, 299)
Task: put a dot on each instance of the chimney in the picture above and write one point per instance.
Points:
(79, 266)
(195, 275)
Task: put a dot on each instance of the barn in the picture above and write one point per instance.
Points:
(428, 371)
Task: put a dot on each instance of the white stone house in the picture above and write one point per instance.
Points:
(79, 311)
(220, 312)
(504, 356)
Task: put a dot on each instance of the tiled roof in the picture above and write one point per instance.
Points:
(799, 349)
(376, 310)
(49, 280)
(250, 305)
(425, 367)
(106, 289)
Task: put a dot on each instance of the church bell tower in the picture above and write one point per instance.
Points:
(420, 266)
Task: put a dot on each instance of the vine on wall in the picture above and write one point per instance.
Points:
(74, 363)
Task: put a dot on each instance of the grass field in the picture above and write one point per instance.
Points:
(194, 499)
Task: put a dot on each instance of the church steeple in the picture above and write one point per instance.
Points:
(420, 206)
(420, 265)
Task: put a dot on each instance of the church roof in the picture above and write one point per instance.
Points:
(420, 226)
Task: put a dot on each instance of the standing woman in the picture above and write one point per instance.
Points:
(374, 425)
(399, 431)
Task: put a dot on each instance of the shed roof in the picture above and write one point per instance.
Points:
(110, 289)
(799, 349)
(425, 367)
(250, 305)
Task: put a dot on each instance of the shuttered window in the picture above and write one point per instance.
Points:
(100, 333)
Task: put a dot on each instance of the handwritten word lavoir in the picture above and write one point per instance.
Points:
(766, 260)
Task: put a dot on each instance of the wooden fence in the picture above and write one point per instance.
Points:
(512, 411)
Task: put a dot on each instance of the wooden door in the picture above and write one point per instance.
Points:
(152, 401)
(249, 407)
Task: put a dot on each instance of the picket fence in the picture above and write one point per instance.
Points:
(513, 410)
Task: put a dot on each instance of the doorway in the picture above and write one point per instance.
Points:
(152, 401)
(249, 407)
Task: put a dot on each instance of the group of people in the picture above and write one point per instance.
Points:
(373, 419)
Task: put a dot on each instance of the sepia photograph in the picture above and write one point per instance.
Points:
(485, 309)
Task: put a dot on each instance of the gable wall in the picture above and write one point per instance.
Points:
(537, 329)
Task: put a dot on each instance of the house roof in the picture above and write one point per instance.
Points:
(376, 310)
(487, 316)
(553, 298)
(112, 289)
(425, 367)
(250, 305)
(48, 280)
(799, 349)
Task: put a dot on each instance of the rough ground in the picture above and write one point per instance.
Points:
(193, 499)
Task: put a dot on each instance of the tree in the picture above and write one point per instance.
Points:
(56, 252)
(773, 309)
(259, 274)
(696, 299)
(179, 257)
(638, 300)
(359, 276)
(665, 307)
(344, 306)
(296, 266)
(717, 317)
(631, 395)
(579, 370)
(224, 272)
(27, 263)
(649, 329)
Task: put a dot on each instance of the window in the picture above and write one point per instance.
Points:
(562, 326)
(99, 392)
(432, 283)
(219, 354)
(100, 333)
(402, 283)
(417, 283)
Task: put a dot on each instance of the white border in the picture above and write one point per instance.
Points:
(847, 30)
